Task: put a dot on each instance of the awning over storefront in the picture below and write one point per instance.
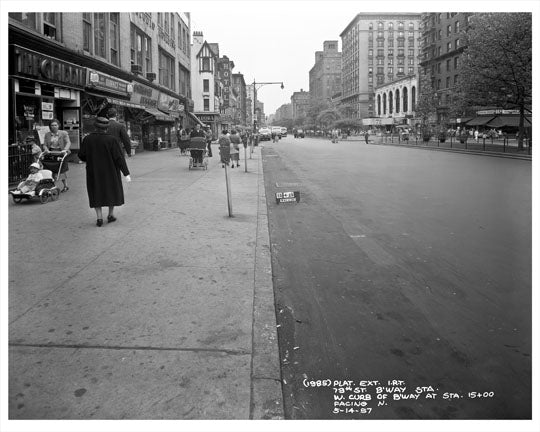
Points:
(195, 119)
(480, 121)
(159, 115)
(505, 120)
(116, 101)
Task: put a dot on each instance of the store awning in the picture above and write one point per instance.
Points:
(116, 101)
(195, 119)
(159, 115)
(506, 120)
(480, 121)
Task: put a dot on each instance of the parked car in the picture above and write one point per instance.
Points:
(283, 132)
(265, 134)
(299, 133)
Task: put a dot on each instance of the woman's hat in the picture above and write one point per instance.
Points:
(102, 122)
(35, 165)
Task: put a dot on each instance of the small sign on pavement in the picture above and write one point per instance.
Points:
(283, 197)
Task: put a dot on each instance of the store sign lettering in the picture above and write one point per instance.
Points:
(48, 68)
(144, 95)
(106, 82)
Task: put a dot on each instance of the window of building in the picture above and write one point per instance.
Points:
(411, 61)
(390, 53)
(401, 52)
(99, 34)
(400, 70)
(380, 34)
(448, 82)
(206, 65)
(206, 104)
(28, 19)
(370, 70)
(380, 70)
(370, 26)
(141, 50)
(438, 67)
(87, 31)
(179, 36)
(438, 84)
(390, 61)
(456, 27)
(390, 26)
(456, 79)
(411, 70)
(411, 26)
(456, 62)
(448, 64)
(49, 25)
(380, 52)
(411, 52)
(380, 61)
(400, 61)
(166, 70)
(370, 53)
(172, 26)
(401, 43)
(391, 70)
(390, 42)
(400, 25)
(165, 25)
(438, 51)
(380, 43)
(440, 34)
(206, 85)
(457, 43)
(114, 37)
(380, 25)
(448, 30)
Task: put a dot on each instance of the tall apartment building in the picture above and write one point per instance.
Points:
(299, 103)
(74, 66)
(441, 49)
(376, 48)
(325, 75)
(284, 112)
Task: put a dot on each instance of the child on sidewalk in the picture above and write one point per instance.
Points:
(31, 181)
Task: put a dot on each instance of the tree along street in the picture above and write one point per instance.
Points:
(402, 281)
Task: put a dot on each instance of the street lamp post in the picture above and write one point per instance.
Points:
(260, 84)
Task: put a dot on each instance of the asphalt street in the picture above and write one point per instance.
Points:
(404, 272)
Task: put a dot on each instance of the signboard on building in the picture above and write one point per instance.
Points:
(496, 111)
(31, 64)
(100, 81)
(171, 104)
(144, 95)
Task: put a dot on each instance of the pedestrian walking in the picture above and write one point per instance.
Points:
(224, 147)
(476, 134)
(118, 130)
(209, 136)
(366, 137)
(104, 162)
(235, 148)
(58, 141)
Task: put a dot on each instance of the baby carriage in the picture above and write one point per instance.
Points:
(45, 190)
(54, 163)
(198, 153)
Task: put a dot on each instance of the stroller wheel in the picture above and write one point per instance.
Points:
(17, 199)
(54, 194)
(44, 196)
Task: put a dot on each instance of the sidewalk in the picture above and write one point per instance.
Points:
(167, 313)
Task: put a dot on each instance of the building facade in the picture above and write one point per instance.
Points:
(239, 87)
(395, 103)
(206, 87)
(325, 75)
(441, 48)
(377, 48)
(284, 112)
(75, 66)
(299, 103)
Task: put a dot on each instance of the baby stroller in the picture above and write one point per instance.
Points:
(45, 190)
(198, 149)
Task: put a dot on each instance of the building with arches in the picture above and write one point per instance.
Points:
(395, 102)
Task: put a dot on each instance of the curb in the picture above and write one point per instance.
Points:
(266, 391)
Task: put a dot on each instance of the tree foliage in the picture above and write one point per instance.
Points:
(496, 66)
(427, 102)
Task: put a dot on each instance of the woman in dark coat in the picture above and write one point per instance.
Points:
(104, 161)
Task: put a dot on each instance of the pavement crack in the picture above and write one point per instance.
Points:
(135, 347)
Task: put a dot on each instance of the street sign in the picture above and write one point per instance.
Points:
(283, 197)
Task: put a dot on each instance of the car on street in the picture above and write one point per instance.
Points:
(299, 133)
(283, 132)
(276, 130)
(265, 134)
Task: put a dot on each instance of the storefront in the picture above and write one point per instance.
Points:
(43, 88)
(173, 107)
(212, 120)
(156, 126)
(103, 92)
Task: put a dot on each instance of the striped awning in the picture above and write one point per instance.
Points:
(480, 121)
(158, 114)
(507, 120)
